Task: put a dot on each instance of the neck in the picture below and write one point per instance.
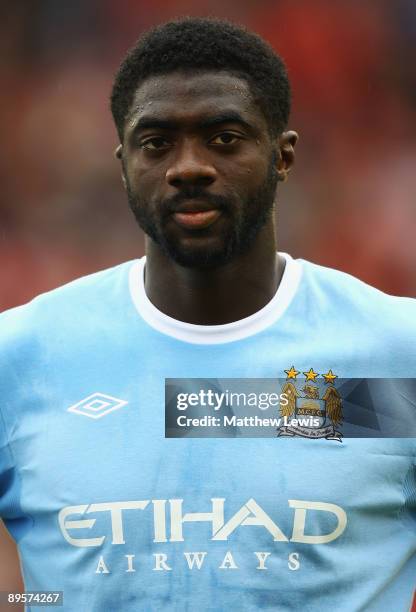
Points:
(218, 296)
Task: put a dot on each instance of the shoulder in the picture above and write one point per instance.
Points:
(362, 329)
(66, 306)
(342, 306)
(349, 296)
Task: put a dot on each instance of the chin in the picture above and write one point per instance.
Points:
(202, 251)
(204, 258)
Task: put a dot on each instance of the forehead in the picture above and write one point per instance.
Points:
(181, 96)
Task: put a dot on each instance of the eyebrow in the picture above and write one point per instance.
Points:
(209, 122)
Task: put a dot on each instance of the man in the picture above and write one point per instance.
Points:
(110, 511)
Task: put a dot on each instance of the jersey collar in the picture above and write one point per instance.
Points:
(215, 334)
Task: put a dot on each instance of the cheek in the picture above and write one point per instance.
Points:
(251, 166)
(143, 181)
(246, 178)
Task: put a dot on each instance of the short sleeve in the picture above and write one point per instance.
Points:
(7, 474)
(15, 520)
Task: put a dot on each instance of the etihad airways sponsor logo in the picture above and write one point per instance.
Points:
(195, 560)
(250, 514)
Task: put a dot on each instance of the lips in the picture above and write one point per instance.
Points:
(196, 214)
(196, 219)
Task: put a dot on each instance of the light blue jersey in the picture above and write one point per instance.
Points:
(106, 509)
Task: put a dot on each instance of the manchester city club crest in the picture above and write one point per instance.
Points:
(313, 408)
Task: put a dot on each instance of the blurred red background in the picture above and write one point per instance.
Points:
(351, 200)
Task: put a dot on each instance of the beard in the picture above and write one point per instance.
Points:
(245, 218)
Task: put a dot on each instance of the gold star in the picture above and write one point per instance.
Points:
(311, 375)
(292, 373)
(329, 377)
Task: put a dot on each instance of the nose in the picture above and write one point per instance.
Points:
(190, 167)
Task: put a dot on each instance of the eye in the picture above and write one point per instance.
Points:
(225, 138)
(156, 143)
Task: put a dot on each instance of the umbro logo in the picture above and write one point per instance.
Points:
(97, 405)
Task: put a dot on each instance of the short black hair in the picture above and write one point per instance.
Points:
(193, 43)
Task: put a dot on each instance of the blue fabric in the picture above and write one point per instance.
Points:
(112, 513)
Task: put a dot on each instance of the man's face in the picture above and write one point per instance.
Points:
(199, 166)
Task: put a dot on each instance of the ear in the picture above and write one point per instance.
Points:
(118, 153)
(286, 154)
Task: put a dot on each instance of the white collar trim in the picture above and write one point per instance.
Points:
(215, 334)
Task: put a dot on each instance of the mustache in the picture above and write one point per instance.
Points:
(170, 205)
